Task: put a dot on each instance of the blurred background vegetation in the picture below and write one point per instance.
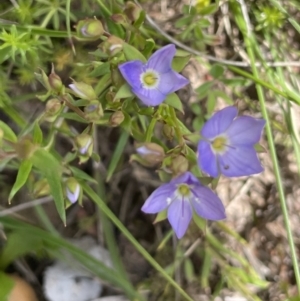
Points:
(233, 52)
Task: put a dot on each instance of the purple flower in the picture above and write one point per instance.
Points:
(181, 197)
(153, 81)
(228, 144)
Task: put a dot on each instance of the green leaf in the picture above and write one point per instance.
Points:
(131, 53)
(53, 242)
(8, 133)
(79, 174)
(7, 285)
(204, 89)
(124, 92)
(162, 215)
(50, 168)
(117, 155)
(174, 101)
(37, 133)
(179, 62)
(216, 71)
(18, 244)
(224, 96)
(23, 173)
(209, 10)
(149, 45)
(104, 68)
(211, 103)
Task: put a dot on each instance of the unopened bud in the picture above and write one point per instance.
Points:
(83, 90)
(73, 190)
(151, 153)
(168, 131)
(43, 79)
(119, 19)
(132, 11)
(116, 118)
(84, 144)
(41, 188)
(93, 111)
(112, 45)
(90, 28)
(52, 109)
(110, 96)
(179, 165)
(25, 148)
(55, 81)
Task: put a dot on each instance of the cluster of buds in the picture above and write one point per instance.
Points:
(131, 14)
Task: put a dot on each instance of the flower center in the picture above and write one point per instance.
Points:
(149, 79)
(219, 144)
(184, 190)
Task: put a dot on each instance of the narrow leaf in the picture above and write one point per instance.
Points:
(23, 173)
(8, 133)
(50, 168)
(174, 101)
(131, 53)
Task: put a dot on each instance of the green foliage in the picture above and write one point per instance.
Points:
(47, 137)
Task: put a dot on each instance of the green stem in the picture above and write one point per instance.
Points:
(150, 129)
(95, 197)
(176, 125)
(288, 95)
(283, 204)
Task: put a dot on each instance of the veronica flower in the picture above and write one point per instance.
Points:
(153, 81)
(228, 143)
(181, 197)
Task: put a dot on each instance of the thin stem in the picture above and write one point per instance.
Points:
(150, 129)
(293, 98)
(249, 46)
(94, 196)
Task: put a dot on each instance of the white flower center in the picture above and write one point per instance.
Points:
(149, 79)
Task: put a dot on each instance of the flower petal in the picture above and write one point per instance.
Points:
(207, 160)
(161, 60)
(171, 81)
(132, 71)
(219, 122)
(207, 204)
(240, 161)
(159, 199)
(245, 130)
(179, 215)
(150, 97)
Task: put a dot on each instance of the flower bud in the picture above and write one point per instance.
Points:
(52, 109)
(41, 188)
(73, 190)
(179, 165)
(83, 90)
(119, 19)
(55, 81)
(43, 79)
(84, 144)
(93, 111)
(25, 148)
(168, 131)
(116, 118)
(112, 45)
(132, 11)
(90, 28)
(151, 153)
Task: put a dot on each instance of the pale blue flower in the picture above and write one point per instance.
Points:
(227, 144)
(181, 197)
(153, 81)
